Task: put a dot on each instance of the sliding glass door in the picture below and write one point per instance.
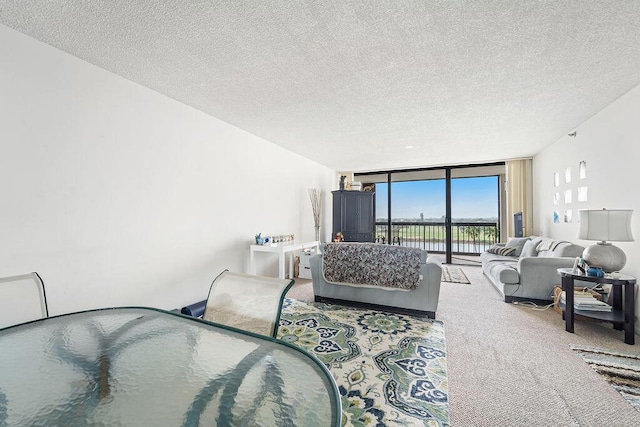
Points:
(474, 213)
(448, 210)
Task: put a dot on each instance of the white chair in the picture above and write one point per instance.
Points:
(22, 299)
(248, 302)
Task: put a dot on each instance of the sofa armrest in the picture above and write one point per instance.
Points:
(432, 259)
(431, 272)
(542, 271)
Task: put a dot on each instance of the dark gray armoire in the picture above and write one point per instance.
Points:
(353, 215)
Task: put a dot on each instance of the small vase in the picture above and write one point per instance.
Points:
(317, 227)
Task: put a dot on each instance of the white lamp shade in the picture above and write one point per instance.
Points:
(606, 225)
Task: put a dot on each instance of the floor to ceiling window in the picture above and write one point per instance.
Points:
(474, 213)
(418, 209)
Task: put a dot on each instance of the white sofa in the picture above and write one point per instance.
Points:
(423, 300)
(530, 273)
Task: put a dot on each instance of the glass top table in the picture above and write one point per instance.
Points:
(143, 366)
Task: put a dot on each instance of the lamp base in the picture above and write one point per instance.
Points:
(606, 256)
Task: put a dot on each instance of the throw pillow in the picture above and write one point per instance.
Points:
(517, 243)
(530, 248)
(501, 250)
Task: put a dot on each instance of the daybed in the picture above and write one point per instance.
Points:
(529, 272)
(388, 277)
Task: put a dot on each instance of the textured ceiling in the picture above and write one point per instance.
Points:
(350, 84)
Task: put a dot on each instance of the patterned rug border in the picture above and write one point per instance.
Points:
(623, 377)
(453, 274)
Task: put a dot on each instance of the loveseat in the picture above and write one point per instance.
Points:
(387, 277)
(529, 271)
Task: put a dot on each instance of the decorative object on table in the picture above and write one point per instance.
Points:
(580, 266)
(259, 239)
(595, 272)
(390, 369)
(342, 178)
(315, 194)
(620, 370)
(339, 237)
(283, 238)
(605, 225)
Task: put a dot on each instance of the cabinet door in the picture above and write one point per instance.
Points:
(365, 213)
(358, 219)
(351, 218)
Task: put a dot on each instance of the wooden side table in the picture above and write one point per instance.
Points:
(622, 300)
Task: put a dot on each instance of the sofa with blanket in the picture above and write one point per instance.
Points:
(526, 268)
(385, 276)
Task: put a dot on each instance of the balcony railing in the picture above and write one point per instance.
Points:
(468, 238)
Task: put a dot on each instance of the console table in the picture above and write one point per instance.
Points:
(281, 249)
(622, 300)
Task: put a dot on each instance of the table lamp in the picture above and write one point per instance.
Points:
(605, 225)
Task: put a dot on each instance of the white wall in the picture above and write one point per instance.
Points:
(609, 143)
(118, 195)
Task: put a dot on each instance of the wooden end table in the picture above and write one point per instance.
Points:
(622, 300)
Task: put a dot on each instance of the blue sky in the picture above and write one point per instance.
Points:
(471, 198)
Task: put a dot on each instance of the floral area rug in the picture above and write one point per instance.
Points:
(391, 369)
(620, 370)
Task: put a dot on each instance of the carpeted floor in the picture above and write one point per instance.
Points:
(453, 274)
(509, 365)
(621, 370)
(390, 368)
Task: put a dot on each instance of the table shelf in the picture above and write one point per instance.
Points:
(614, 316)
(622, 300)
